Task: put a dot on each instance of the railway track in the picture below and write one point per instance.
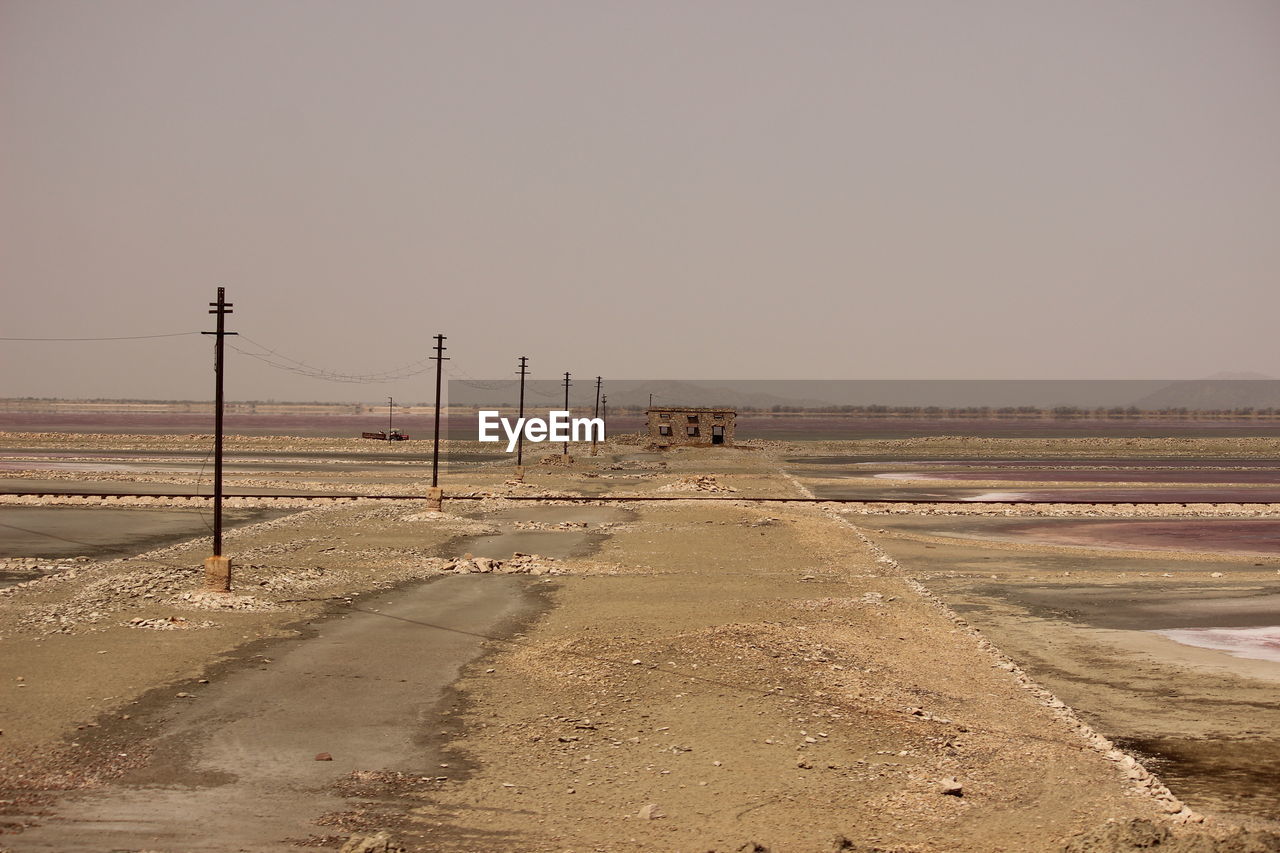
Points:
(108, 496)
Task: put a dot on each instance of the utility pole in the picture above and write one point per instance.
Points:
(390, 405)
(595, 414)
(523, 371)
(217, 569)
(604, 412)
(567, 383)
(436, 494)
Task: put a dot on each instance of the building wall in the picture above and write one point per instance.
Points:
(681, 421)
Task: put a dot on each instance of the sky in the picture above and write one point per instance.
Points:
(865, 189)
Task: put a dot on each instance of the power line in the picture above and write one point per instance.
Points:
(122, 338)
(272, 358)
(278, 360)
(463, 378)
(95, 545)
(50, 536)
(486, 386)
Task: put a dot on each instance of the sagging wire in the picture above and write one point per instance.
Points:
(280, 361)
(119, 338)
(95, 546)
(499, 384)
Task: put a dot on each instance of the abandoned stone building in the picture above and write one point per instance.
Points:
(682, 426)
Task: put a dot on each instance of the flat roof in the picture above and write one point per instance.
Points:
(726, 409)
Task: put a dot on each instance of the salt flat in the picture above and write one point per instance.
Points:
(702, 673)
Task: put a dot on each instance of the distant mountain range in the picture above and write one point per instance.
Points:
(1231, 391)
(1221, 392)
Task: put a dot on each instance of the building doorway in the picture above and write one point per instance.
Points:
(717, 435)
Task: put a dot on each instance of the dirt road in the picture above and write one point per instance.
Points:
(233, 763)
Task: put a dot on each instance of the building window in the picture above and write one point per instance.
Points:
(691, 431)
(693, 419)
(719, 416)
(664, 429)
(664, 416)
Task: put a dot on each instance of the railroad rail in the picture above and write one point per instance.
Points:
(640, 498)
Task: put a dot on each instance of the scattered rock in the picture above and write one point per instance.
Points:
(324, 756)
(650, 811)
(166, 623)
(519, 564)
(222, 601)
(951, 787)
(697, 483)
(1132, 834)
(379, 843)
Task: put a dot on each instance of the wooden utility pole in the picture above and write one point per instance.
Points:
(595, 414)
(390, 407)
(566, 408)
(435, 496)
(217, 569)
(523, 371)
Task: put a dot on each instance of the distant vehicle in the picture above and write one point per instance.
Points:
(396, 435)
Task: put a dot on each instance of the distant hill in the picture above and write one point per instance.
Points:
(623, 393)
(674, 392)
(1214, 394)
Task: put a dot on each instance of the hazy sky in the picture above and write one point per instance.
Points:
(857, 189)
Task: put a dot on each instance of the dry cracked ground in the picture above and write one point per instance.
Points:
(682, 675)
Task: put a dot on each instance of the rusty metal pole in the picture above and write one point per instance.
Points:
(436, 494)
(217, 569)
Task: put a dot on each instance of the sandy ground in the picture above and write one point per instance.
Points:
(696, 676)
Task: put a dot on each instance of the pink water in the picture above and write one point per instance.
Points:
(1256, 643)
